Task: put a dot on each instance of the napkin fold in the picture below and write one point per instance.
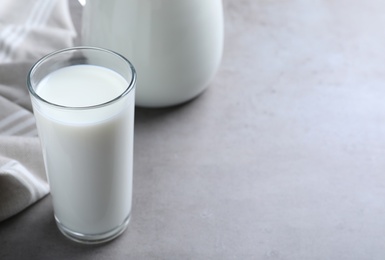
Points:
(29, 29)
(22, 180)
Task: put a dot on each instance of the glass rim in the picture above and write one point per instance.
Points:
(35, 66)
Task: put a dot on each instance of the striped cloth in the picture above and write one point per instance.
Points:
(29, 29)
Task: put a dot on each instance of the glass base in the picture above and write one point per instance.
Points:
(93, 238)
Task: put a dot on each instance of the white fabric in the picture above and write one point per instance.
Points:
(29, 29)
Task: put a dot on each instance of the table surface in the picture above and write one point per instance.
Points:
(281, 158)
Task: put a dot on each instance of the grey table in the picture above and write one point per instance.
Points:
(283, 157)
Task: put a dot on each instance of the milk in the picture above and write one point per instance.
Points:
(175, 45)
(88, 152)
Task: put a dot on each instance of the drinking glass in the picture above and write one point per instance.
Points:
(83, 100)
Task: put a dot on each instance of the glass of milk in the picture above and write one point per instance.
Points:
(83, 100)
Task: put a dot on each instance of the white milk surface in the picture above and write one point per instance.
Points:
(88, 154)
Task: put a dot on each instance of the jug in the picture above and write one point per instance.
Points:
(175, 45)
